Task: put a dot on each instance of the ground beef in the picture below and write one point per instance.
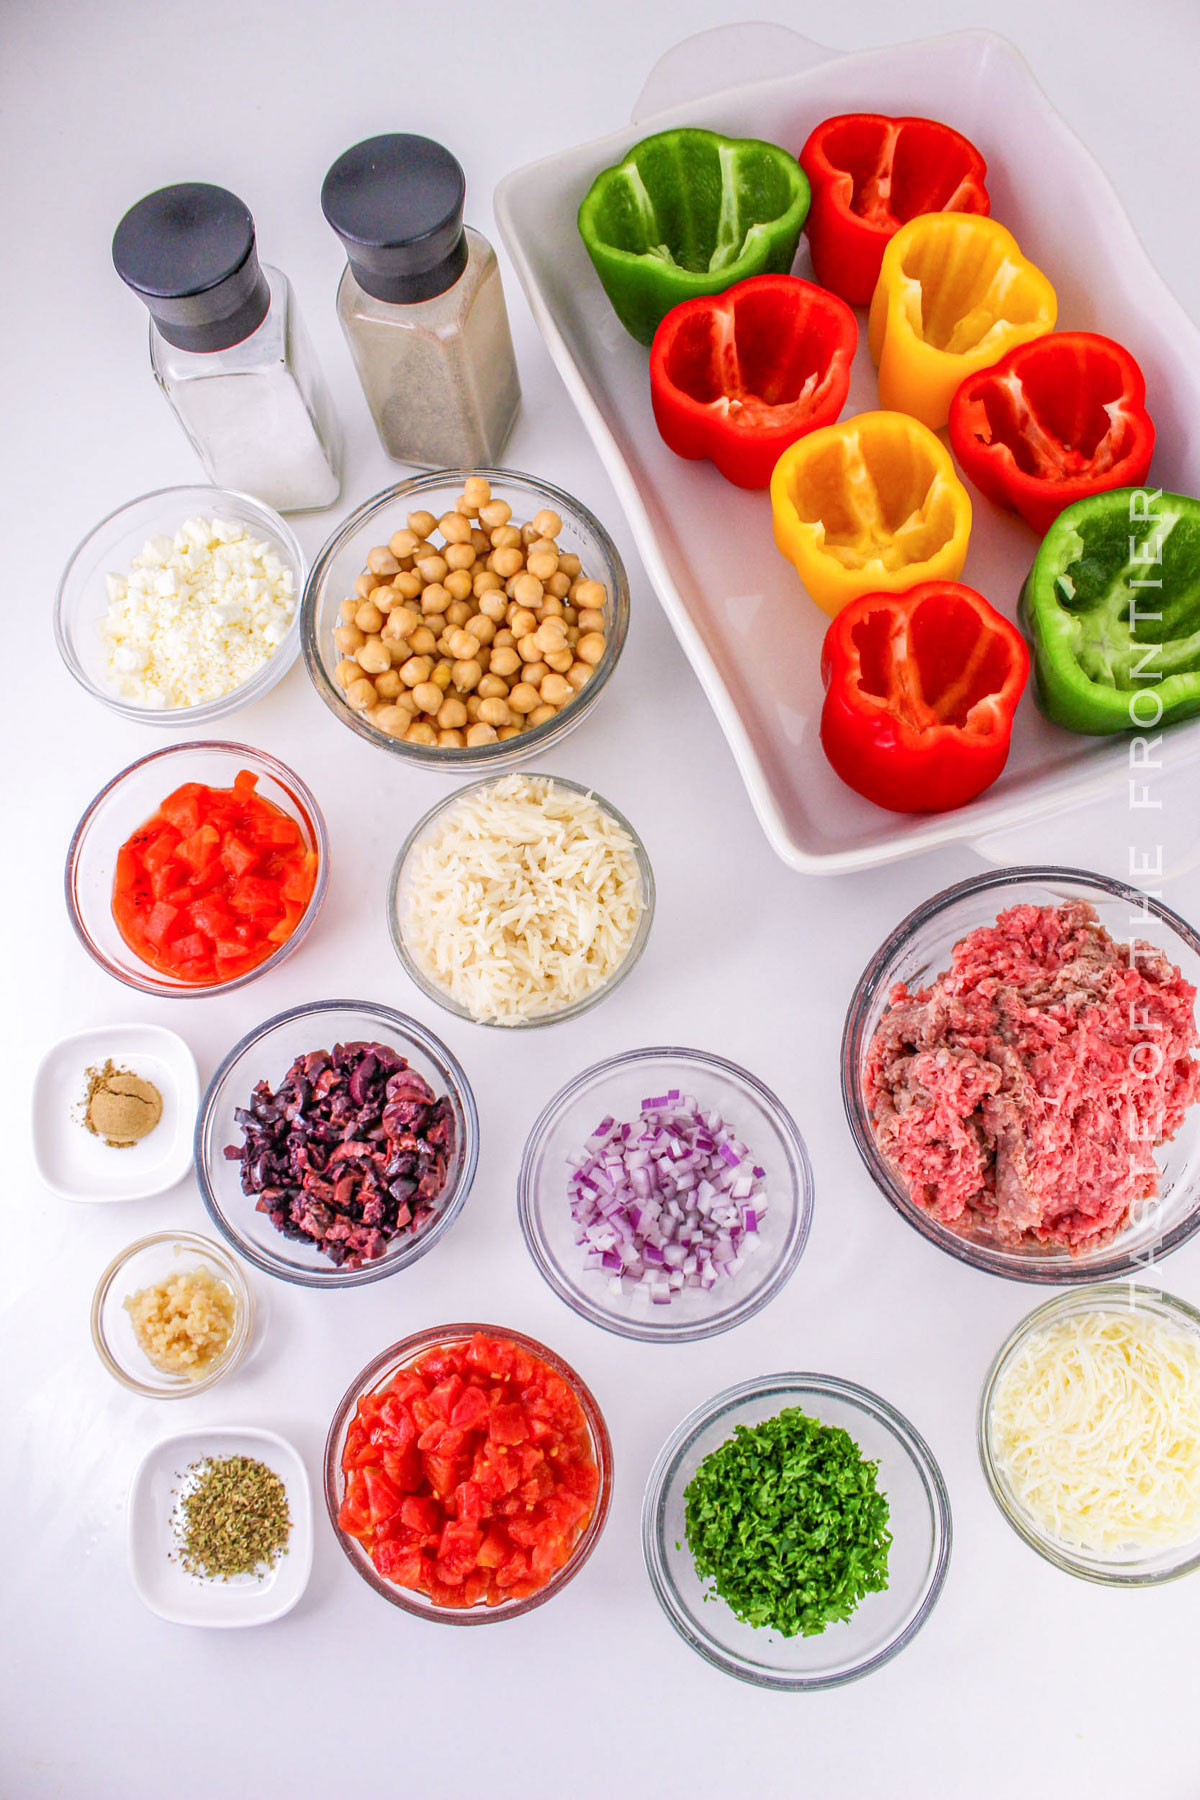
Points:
(1023, 1091)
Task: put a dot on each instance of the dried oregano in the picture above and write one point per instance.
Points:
(233, 1519)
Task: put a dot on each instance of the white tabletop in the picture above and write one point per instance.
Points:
(1027, 1679)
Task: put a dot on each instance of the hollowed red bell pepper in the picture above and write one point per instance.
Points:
(869, 175)
(921, 688)
(1054, 421)
(737, 377)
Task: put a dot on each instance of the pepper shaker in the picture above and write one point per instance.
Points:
(421, 304)
(228, 347)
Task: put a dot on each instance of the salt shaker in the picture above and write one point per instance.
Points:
(421, 304)
(228, 347)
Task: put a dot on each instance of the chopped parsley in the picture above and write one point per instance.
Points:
(786, 1519)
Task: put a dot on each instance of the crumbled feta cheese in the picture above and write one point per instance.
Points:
(197, 615)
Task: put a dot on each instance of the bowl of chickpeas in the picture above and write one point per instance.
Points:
(465, 619)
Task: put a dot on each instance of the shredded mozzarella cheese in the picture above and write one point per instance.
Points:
(196, 615)
(522, 899)
(1096, 1425)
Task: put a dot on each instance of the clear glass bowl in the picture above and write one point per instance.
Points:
(132, 797)
(380, 1370)
(150, 1260)
(617, 1087)
(919, 1519)
(397, 899)
(110, 547)
(917, 951)
(266, 1053)
(1131, 1568)
(343, 558)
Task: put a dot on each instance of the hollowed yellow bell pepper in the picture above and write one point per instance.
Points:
(870, 505)
(954, 295)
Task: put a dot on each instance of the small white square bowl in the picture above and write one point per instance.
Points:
(163, 1583)
(79, 1166)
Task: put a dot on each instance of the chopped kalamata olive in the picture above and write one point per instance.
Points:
(352, 1149)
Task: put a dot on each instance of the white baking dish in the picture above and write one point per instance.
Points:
(751, 634)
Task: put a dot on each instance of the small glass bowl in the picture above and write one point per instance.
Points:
(132, 797)
(110, 547)
(380, 1370)
(396, 899)
(916, 952)
(1132, 1568)
(266, 1053)
(881, 1624)
(618, 1087)
(150, 1260)
(343, 558)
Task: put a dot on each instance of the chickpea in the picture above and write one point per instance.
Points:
(380, 561)
(507, 561)
(361, 694)
(421, 524)
(402, 621)
(493, 606)
(590, 618)
(548, 523)
(521, 622)
(579, 674)
(535, 672)
(477, 491)
(481, 543)
(388, 684)
(455, 529)
(473, 704)
(552, 608)
(569, 614)
(480, 627)
(573, 635)
(541, 714)
(368, 618)
(542, 564)
(427, 697)
(380, 596)
(527, 590)
(494, 513)
(452, 714)
(348, 638)
(481, 733)
(450, 740)
(504, 640)
(416, 670)
(559, 585)
(458, 585)
(363, 585)
(570, 564)
(402, 544)
(407, 585)
(458, 556)
(423, 641)
(555, 690)
(395, 720)
(495, 712)
(466, 674)
(421, 732)
(463, 646)
(508, 731)
(529, 535)
(435, 598)
(559, 660)
(483, 657)
(347, 610)
(504, 661)
(458, 612)
(492, 688)
(486, 582)
(524, 698)
(374, 656)
(441, 675)
(346, 672)
(528, 648)
(550, 635)
(590, 647)
(433, 568)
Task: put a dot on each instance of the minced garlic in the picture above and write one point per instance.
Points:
(183, 1324)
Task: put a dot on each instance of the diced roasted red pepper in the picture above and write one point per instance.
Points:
(869, 175)
(921, 688)
(737, 377)
(1054, 421)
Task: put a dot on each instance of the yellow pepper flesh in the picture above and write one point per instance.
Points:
(954, 295)
(870, 505)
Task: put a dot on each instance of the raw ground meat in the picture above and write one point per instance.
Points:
(1025, 1090)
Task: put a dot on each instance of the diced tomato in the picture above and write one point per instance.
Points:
(157, 850)
(244, 784)
(444, 1395)
(401, 1564)
(182, 808)
(468, 1502)
(382, 1498)
(507, 1425)
(200, 848)
(159, 923)
(470, 1410)
(238, 858)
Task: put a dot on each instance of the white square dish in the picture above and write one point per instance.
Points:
(751, 634)
(77, 1165)
(162, 1583)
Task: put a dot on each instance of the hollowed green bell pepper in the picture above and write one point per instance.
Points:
(1112, 608)
(689, 213)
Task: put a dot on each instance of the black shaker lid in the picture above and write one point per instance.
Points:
(396, 202)
(188, 252)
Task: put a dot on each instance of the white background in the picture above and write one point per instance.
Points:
(1023, 1680)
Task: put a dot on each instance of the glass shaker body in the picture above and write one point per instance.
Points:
(439, 375)
(258, 413)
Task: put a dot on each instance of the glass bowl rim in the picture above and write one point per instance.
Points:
(405, 1350)
(262, 680)
(478, 757)
(624, 968)
(1049, 1269)
(792, 1250)
(709, 1412)
(280, 773)
(229, 1271)
(403, 1026)
(1071, 1559)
